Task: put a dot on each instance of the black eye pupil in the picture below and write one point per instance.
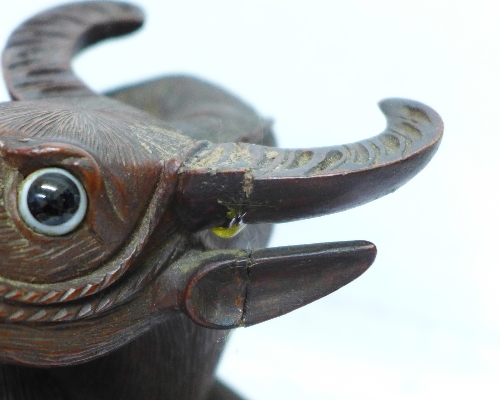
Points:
(53, 199)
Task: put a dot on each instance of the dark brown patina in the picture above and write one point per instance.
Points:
(136, 300)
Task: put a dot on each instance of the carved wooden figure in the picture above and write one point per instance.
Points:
(120, 218)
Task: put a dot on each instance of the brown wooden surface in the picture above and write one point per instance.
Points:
(125, 300)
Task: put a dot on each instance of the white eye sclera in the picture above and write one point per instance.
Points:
(52, 201)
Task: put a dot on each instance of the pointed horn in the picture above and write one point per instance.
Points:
(37, 58)
(264, 184)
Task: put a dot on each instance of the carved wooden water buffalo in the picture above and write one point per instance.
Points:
(133, 226)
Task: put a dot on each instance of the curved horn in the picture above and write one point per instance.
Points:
(265, 184)
(37, 58)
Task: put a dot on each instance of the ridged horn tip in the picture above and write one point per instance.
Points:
(37, 58)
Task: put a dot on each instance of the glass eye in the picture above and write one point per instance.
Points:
(52, 201)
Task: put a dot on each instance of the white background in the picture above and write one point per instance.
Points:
(424, 321)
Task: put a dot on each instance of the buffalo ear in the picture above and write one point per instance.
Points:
(227, 289)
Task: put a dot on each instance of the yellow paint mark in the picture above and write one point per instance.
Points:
(233, 227)
(228, 233)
